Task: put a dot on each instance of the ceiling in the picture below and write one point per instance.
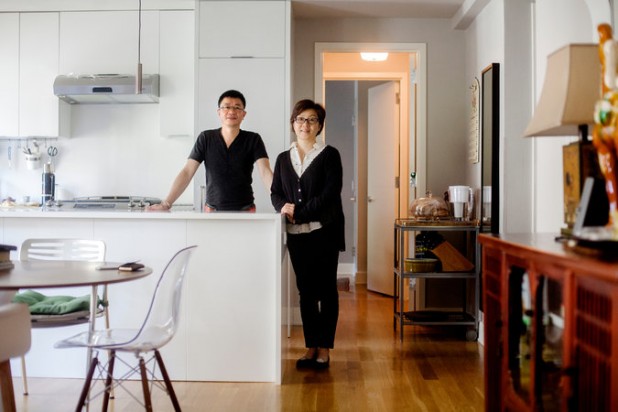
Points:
(436, 9)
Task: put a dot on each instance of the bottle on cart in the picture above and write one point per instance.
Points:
(48, 184)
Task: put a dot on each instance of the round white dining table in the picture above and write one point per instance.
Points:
(60, 273)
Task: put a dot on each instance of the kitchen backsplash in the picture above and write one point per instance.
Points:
(113, 150)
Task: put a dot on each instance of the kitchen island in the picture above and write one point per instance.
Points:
(231, 324)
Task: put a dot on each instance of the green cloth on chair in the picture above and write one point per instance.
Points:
(41, 304)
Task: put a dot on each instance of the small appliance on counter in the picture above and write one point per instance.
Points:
(462, 198)
(48, 185)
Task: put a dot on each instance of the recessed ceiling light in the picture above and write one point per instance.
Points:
(374, 57)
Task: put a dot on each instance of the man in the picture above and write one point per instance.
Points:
(229, 154)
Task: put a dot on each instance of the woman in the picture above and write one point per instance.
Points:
(307, 189)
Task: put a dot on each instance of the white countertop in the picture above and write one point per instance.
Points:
(180, 212)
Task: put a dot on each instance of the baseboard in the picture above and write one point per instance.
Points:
(345, 270)
(361, 278)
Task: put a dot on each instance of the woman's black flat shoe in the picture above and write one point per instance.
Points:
(321, 364)
(305, 363)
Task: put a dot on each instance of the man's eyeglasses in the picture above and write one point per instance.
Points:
(231, 108)
(310, 120)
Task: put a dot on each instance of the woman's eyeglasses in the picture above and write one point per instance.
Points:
(302, 120)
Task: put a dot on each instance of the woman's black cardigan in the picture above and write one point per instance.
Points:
(316, 194)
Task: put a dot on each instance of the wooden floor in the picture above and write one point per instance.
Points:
(435, 369)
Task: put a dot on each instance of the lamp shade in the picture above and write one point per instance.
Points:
(571, 88)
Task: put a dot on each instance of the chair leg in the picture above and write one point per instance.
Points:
(147, 400)
(168, 383)
(106, 311)
(24, 377)
(109, 380)
(86, 388)
(7, 396)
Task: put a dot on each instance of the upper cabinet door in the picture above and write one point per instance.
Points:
(9, 73)
(242, 29)
(265, 106)
(177, 70)
(39, 113)
(107, 42)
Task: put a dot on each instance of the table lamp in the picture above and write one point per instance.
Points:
(571, 88)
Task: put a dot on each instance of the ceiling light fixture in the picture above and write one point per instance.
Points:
(374, 57)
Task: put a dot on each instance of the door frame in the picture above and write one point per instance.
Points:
(413, 147)
(417, 150)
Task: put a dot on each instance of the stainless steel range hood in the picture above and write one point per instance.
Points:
(106, 88)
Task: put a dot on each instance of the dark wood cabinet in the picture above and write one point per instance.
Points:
(551, 326)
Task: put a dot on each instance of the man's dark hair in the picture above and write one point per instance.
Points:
(234, 94)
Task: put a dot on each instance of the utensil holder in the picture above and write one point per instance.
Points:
(33, 160)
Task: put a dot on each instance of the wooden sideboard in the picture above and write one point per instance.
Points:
(551, 325)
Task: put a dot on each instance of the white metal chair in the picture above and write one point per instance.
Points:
(14, 317)
(157, 329)
(63, 249)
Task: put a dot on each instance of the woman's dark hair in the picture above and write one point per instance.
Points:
(307, 104)
(233, 94)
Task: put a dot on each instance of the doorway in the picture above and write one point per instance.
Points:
(411, 142)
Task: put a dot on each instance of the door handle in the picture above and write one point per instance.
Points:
(369, 199)
(353, 199)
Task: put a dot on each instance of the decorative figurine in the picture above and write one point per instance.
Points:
(605, 132)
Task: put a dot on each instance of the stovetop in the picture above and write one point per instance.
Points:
(111, 202)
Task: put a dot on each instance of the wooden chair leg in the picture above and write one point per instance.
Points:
(24, 377)
(144, 373)
(168, 383)
(6, 387)
(109, 381)
(86, 388)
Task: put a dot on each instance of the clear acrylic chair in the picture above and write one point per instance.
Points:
(63, 249)
(157, 329)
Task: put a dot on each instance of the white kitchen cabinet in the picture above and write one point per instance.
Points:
(9, 74)
(107, 42)
(29, 54)
(244, 45)
(40, 112)
(261, 82)
(230, 328)
(177, 71)
(235, 315)
(243, 29)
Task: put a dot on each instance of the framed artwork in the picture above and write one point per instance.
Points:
(474, 132)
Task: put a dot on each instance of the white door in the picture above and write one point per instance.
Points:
(382, 193)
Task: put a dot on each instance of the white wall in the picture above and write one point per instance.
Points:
(558, 23)
(447, 88)
(484, 47)
(519, 35)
